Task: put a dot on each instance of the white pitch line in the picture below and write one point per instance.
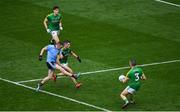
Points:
(169, 3)
(33, 80)
(112, 69)
(56, 95)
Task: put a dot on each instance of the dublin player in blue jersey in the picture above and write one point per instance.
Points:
(52, 52)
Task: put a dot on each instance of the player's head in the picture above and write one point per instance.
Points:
(56, 10)
(66, 44)
(132, 62)
(58, 45)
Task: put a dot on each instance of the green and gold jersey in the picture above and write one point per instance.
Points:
(134, 76)
(65, 52)
(53, 21)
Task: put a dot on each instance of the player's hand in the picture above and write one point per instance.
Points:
(40, 57)
(61, 28)
(48, 30)
(79, 59)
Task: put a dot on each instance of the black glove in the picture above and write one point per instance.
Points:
(78, 58)
(40, 57)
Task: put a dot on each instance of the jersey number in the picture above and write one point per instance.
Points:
(137, 76)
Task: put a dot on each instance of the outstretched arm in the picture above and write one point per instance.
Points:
(42, 50)
(76, 56)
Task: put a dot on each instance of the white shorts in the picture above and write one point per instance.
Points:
(64, 64)
(54, 33)
(130, 90)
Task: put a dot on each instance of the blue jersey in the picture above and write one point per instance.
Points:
(52, 53)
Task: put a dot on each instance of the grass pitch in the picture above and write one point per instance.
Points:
(106, 34)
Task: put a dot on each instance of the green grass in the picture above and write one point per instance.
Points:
(105, 35)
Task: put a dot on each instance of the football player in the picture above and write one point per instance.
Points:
(53, 24)
(66, 52)
(52, 52)
(133, 77)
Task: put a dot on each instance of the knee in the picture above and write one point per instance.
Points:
(122, 94)
(70, 71)
(63, 71)
(49, 76)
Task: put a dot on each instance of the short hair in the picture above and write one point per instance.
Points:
(133, 62)
(55, 7)
(66, 42)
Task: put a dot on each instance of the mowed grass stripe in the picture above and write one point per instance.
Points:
(137, 15)
(108, 70)
(56, 95)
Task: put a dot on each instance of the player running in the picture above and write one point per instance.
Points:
(134, 76)
(52, 52)
(66, 51)
(53, 23)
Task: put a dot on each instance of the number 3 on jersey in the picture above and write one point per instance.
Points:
(137, 76)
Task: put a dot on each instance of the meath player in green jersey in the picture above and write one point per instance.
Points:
(133, 77)
(53, 23)
(66, 52)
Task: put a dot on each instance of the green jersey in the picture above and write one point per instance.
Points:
(65, 52)
(134, 76)
(53, 21)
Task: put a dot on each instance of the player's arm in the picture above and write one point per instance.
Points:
(76, 56)
(42, 52)
(46, 24)
(143, 77)
(60, 24)
(61, 56)
(58, 58)
(127, 77)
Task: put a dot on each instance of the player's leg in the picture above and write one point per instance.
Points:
(68, 69)
(55, 36)
(127, 91)
(44, 80)
(50, 75)
(131, 98)
(124, 95)
(65, 72)
(77, 84)
(54, 77)
(51, 69)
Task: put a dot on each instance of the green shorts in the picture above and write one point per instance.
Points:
(135, 86)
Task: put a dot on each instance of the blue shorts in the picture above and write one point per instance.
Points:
(51, 65)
